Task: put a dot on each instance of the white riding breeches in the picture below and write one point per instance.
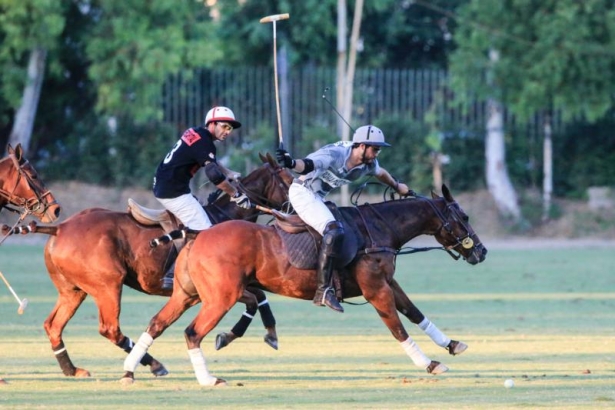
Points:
(310, 207)
(188, 210)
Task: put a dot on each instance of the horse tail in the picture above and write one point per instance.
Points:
(32, 227)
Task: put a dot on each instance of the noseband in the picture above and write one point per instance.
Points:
(467, 241)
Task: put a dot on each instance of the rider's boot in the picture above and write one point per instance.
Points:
(330, 249)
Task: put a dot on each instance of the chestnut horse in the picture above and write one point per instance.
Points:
(255, 255)
(97, 251)
(22, 191)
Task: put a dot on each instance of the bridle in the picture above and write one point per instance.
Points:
(260, 199)
(467, 241)
(36, 204)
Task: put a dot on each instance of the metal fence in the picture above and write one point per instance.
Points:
(250, 93)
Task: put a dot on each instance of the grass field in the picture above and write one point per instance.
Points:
(544, 318)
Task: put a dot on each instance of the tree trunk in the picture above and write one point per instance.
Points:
(547, 182)
(498, 182)
(26, 113)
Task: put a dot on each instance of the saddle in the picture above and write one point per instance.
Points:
(302, 242)
(154, 217)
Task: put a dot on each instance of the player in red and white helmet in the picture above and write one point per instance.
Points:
(196, 149)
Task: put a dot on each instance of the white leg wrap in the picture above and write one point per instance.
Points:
(138, 351)
(263, 302)
(200, 368)
(415, 353)
(434, 333)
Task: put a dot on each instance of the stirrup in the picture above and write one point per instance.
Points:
(330, 300)
(167, 282)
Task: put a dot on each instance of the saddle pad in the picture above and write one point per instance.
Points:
(301, 248)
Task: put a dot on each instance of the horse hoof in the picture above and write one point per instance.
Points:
(158, 369)
(455, 347)
(436, 368)
(220, 383)
(127, 381)
(2, 381)
(271, 341)
(82, 373)
(222, 340)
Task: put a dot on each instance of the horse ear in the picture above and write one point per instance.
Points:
(263, 159)
(447, 193)
(272, 161)
(434, 195)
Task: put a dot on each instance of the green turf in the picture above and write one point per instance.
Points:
(543, 318)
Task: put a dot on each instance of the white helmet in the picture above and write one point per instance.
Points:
(222, 114)
(369, 135)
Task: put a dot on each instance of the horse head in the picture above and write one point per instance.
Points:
(21, 187)
(455, 232)
(268, 185)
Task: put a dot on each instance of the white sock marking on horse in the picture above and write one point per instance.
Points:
(415, 353)
(434, 333)
(200, 368)
(138, 351)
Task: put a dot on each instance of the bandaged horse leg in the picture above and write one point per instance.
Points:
(138, 351)
(420, 359)
(405, 306)
(254, 299)
(156, 367)
(200, 368)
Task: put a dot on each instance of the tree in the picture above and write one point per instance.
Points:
(554, 55)
(29, 30)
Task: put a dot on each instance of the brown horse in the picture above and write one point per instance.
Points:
(97, 251)
(217, 276)
(22, 191)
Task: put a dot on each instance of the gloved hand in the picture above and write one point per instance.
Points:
(284, 158)
(241, 200)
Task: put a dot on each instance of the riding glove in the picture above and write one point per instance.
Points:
(241, 200)
(285, 159)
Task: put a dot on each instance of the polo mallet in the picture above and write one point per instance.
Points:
(272, 19)
(22, 303)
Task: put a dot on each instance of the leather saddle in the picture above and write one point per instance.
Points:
(302, 242)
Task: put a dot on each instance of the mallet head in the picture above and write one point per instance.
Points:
(22, 306)
(275, 17)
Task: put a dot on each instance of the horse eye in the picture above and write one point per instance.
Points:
(466, 218)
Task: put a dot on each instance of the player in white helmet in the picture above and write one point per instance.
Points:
(322, 171)
(196, 149)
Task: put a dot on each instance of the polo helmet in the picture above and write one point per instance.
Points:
(222, 114)
(369, 135)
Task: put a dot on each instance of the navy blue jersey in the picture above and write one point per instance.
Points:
(191, 152)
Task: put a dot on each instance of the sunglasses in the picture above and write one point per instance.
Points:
(375, 148)
(225, 126)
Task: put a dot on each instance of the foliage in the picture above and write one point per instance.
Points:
(135, 45)
(551, 53)
(593, 162)
(109, 158)
(415, 35)
(24, 25)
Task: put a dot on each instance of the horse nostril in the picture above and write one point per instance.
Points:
(484, 251)
(56, 213)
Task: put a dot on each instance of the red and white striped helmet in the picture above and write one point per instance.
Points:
(222, 114)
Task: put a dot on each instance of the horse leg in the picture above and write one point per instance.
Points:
(208, 317)
(408, 309)
(170, 312)
(254, 299)
(109, 306)
(383, 299)
(67, 304)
